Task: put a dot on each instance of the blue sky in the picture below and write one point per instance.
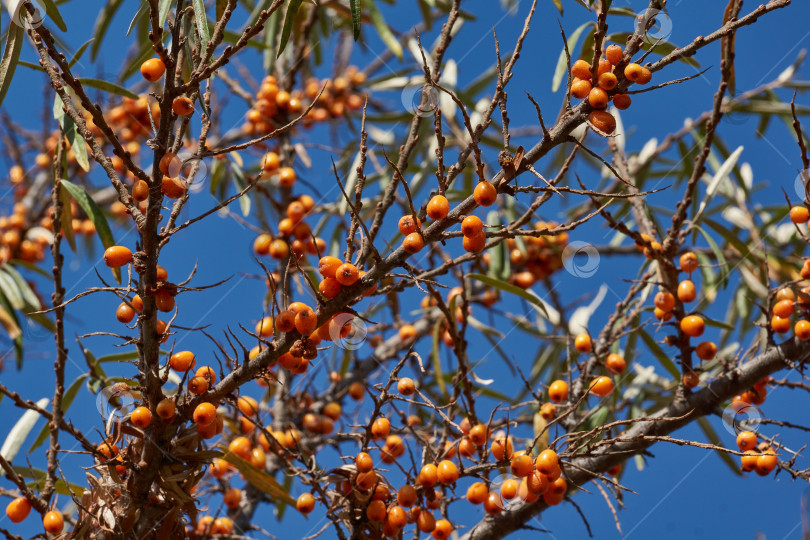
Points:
(682, 492)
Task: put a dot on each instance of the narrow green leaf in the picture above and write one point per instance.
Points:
(504, 286)
(67, 221)
(202, 23)
(559, 5)
(562, 62)
(39, 477)
(437, 360)
(16, 436)
(11, 291)
(11, 54)
(67, 400)
(29, 65)
(718, 253)
(258, 478)
(714, 439)
(356, 9)
(659, 353)
(240, 183)
(102, 24)
(499, 264)
(289, 20)
(96, 216)
(78, 55)
(382, 29)
(108, 87)
(26, 292)
(163, 11)
(142, 11)
(53, 14)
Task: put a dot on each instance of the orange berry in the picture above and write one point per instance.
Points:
(706, 350)
(472, 226)
(413, 243)
(365, 481)
(305, 503)
(429, 475)
(622, 101)
(286, 177)
(799, 214)
(536, 483)
(583, 343)
(182, 361)
(407, 225)
(442, 530)
(328, 266)
(406, 386)
(165, 409)
(548, 411)
(521, 465)
(493, 503)
(689, 262)
(558, 391)
(396, 517)
(632, 72)
(18, 509)
(306, 322)
(602, 386)
(614, 54)
(124, 313)
(502, 448)
(748, 462)
(766, 462)
(380, 428)
(603, 121)
(581, 70)
(53, 522)
(447, 472)
(271, 162)
(474, 244)
(347, 274)
(485, 194)
(784, 308)
(479, 435)
(547, 462)
(598, 98)
(686, 291)
(198, 385)
(240, 446)
(182, 106)
(615, 364)
(509, 489)
(438, 207)
(117, 256)
(645, 76)
(477, 493)
(153, 69)
(140, 191)
(746, 440)
(580, 88)
(141, 417)
(780, 325)
(607, 81)
(802, 329)
(205, 414)
(693, 325)
(406, 496)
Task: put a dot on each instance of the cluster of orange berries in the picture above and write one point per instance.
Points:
(19, 508)
(542, 258)
(16, 243)
(294, 234)
(601, 91)
(760, 457)
(273, 105)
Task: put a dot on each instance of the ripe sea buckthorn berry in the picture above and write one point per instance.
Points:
(306, 322)
(396, 518)
(474, 244)
(241, 447)
(802, 329)
(766, 462)
(580, 88)
(558, 391)
(357, 391)
(706, 350)
(160, 329)
(207, 373)
(479, 434)
(182, 361)
(124, 313)
(603, 67)
(521, 465)
(447, 472)
(438, 207)
(784, 308)
(264, 327)
(472, 226)
(493, 503)
(615, 364)
(693, 325)
(53, 522)
(645, 76)
(689, 262)
(799, 214)
(686, 291)
(547, 462)
(662, 315)
(165, 409)
(477, 493)
(153, 69)
(598, 98)
(380, 428)
(205, 414)
(406, 496)
(198, 385)
(233, 497)
(140, 191)
(164, 301)
(622, 101)
(748, 462)
(485, 194)
(785, 293)
(271, 162)
(141, 417)
(18, 509)
(607, 81)
(182, 106)
(632, 72)
(548, 411)
(107, 450)
(502, 448)
(286, 177)
(443, 530)
(262, 244)
(327, 266)
(509, 489)
(614, 54)
(664, 301)
(602, 386)
(690, 379)
(429, 475)
(603, 121)
(536, 484)
(258, 458)
(413, 243)
(407, 225)
(248, 406)
(581, 69)
(117, 256)
(363, 462)
(780, 325)
(583, 343)
(406, 386)
(347, 274)
(173, 188)
(365, 481)
(746, 440)
(295, 211)
(285, 321)
(407, 332)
